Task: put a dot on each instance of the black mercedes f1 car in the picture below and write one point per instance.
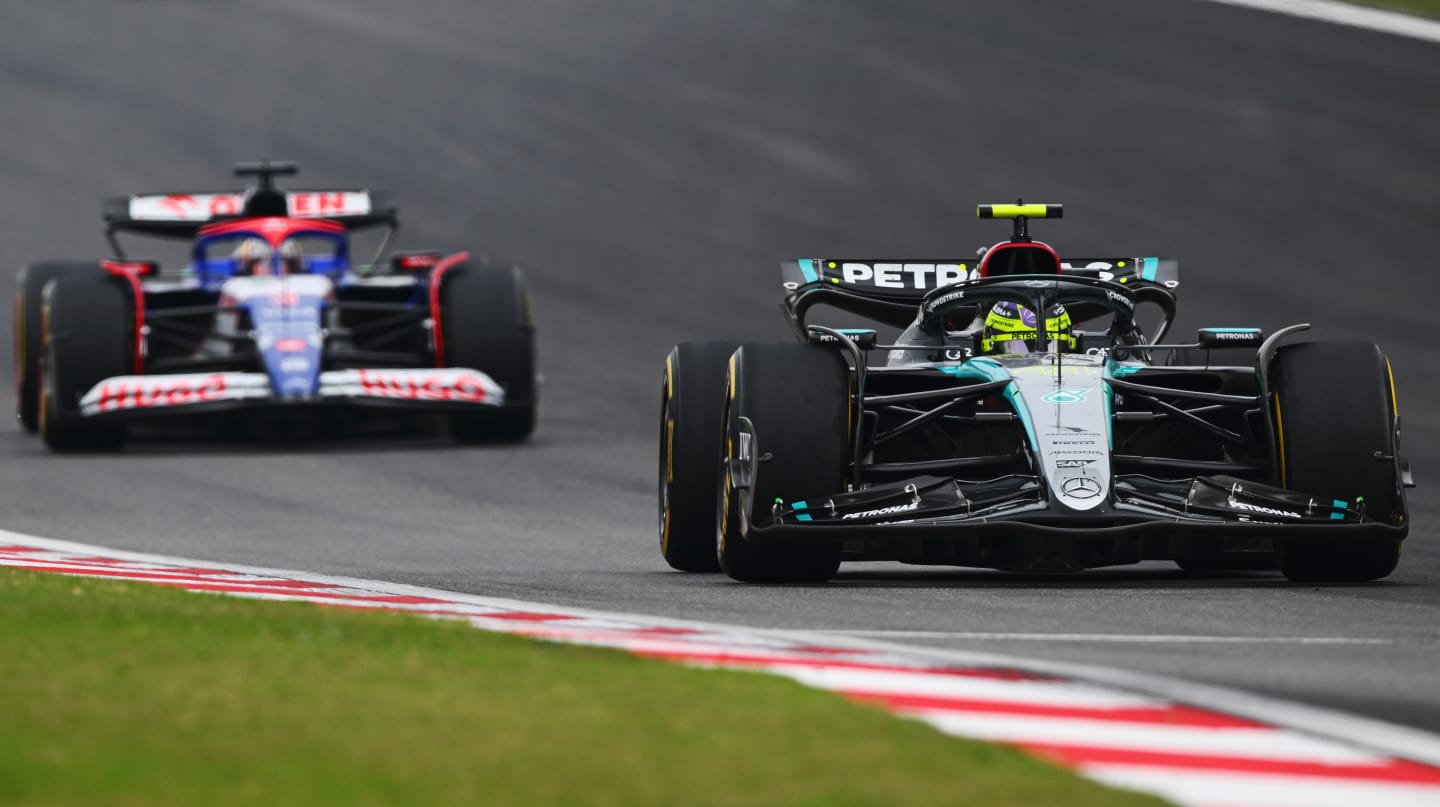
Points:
(1023, 420)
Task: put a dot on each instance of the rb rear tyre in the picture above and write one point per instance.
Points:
(29, 286)
(89, 335)
(486, 325)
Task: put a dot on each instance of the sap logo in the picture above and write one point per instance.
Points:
(884, 511)
(904, 275)
(1255, 508)
(1072, 463)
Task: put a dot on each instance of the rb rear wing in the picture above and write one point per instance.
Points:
(181, 215)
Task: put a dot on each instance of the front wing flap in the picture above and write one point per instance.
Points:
(451, 387)
(1017, 506)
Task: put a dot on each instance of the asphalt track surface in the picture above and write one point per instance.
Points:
(649, 163)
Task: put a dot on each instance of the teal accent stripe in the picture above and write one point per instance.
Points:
(1149, 266)
(981, 369)
(1012, 394)
(1114, 369)
(984, 369)
(800, 506)
(1341, 505)
(803, 517)
(807, 268)
(1232, 330)
(1110, 415)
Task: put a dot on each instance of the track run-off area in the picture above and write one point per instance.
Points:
(1212, 748)
(649, 163)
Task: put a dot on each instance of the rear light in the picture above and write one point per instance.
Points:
(143, 268)
(415, 261)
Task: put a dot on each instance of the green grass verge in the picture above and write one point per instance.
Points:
(1424, 8)
(126, 694)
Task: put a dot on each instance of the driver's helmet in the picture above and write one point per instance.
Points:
(291, 257)
(253, 257)
(1008, 327)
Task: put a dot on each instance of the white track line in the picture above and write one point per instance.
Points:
(1261, 742)
(1119, 638)
(1370, 19)
(1369, 733)
(1260, 790)
(1046, 693)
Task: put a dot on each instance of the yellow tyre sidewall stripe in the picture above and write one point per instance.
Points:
(666, 393)
(19, 338)
(45, 402)
(1280, 441)
(1394, 400)
(729, 450)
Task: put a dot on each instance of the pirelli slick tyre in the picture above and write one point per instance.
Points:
(691, 404)
(486, 325)
(797, 400)
(1335, 425)
(29, 285)
(88, 331)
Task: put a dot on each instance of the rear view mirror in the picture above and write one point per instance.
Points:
(414, 261)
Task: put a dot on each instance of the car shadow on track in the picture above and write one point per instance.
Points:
(249, 439)
(1151, 576)
(1154, 575)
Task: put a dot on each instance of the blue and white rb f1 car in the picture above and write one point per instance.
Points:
(271, 314)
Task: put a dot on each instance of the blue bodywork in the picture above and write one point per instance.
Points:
(289, 334)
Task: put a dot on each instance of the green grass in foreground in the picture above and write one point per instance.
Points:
(1425, 8)
(120, 693)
